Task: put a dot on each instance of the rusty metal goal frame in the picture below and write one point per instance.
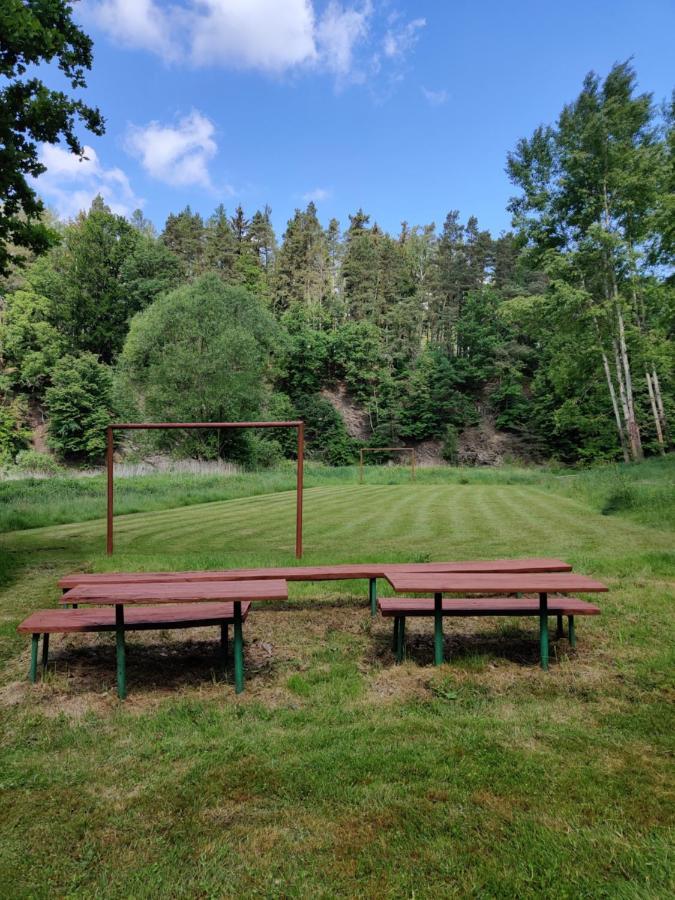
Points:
(410, 450)
(153, 426)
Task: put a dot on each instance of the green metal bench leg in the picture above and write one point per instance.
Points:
(372, 593)
(32, 672)
(121, 652)
(438, 629)
(45, 651)
(223, 643)
(394, 645)
(560, 631)
(238, 649)
(543, 630)
(571, 632)
(400, 639)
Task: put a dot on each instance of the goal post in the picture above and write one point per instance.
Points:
(153, 426)
(410, 450)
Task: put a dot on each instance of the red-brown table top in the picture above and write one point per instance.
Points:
(505, 582)
(319, 573)
(178, 592)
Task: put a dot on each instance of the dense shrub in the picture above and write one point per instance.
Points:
(13, 433)
(79, 404)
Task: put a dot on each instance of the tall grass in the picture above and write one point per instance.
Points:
(645, 492)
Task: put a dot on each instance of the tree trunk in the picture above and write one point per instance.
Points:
(659, 403)
(631, 420)
(655, 413)
(615, 407)
(624, 400)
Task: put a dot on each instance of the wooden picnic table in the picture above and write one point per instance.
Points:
(342, 571)
(439, 583)
(179, 592)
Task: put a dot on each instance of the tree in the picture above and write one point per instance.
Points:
(33, 32)
(199, 353)
(184, 235)
(101, 274)
(30, 345)
(591, 190)
(302, 272)
(79, 404)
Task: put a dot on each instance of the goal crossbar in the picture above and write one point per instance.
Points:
(152, 426)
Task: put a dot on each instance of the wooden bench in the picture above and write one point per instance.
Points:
(142, 618)
(340, 572)
(400, 608)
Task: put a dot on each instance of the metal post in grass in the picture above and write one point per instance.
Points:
(45, 651)
(543, 631)
(372, 589)
(238, 649)
(149, 426)
(400, 640)
(438, 629)
(121, 652)
(571, 633)
(32, 672)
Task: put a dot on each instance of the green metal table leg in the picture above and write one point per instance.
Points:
(400, 639)
(571, 632)
(45, 651)
(372, 593)
(543, 630)
(394, 645)
(32, 672)
(121, 652)
(223, 644)
(559, 632)
(438, 629)
(238, 649)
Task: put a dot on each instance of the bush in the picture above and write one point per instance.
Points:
(13, 433)
(327, 437)
(34, 461)
(450, 449)
(78, 405)
(265, 453)
(201, 353)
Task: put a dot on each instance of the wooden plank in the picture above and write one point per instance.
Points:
(317, 573)
(175, 593)
(141, 618)
(496, 583)
(488, 606)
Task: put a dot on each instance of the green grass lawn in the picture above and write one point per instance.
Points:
(338, 773)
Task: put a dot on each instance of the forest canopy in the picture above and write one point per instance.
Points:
(558, 333)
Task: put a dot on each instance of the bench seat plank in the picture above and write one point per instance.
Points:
(136, 618)
(316, 573)
(488, 606)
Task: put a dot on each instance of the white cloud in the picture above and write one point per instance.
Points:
(252, 34)
(317, 195)
(135, 23)
(400, 40)
(177, 155)
(272, 36)
(70, 184)
(435, 98)
(337, 34)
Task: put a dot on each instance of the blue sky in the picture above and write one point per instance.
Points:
(406, 109)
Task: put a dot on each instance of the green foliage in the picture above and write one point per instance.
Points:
(200, 353)
(35, 461)
(450, 444)
(13, 433)
(35, 32)
(31, 344)
(325, 432)
(79, 404)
